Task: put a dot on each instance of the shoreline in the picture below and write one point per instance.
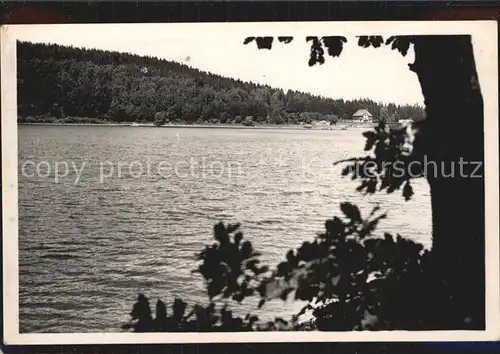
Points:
(209, 126)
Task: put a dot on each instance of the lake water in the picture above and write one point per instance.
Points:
(89, 246)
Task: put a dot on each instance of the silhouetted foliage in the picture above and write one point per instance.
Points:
(452, 133)
(334, 45)
(231, 269)
(285, 39)
(266, 42)
(230, 266)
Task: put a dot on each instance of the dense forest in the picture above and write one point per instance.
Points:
(67, 84)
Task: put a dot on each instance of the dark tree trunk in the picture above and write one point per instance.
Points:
(453, 132)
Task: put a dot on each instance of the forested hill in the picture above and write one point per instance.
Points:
(64, 83)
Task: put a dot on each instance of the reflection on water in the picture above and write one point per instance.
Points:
(127, 208)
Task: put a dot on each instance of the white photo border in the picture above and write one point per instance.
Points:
(484, 37)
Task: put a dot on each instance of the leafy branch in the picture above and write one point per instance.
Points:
(342, 274)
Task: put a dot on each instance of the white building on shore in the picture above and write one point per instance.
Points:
(362, 115)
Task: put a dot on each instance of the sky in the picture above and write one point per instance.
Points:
(380, 74)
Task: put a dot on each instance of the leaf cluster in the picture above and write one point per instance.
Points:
(335, 44)
(230, 266)
(347, 274)
(392, 164)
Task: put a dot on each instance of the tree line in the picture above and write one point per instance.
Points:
(67, 84)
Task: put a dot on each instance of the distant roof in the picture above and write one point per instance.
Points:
(362, 112)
